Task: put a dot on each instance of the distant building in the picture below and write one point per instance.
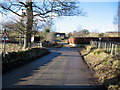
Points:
(60, 34)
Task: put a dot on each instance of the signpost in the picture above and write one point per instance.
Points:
(5, 38)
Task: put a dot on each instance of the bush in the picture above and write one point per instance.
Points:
(99, 51)
(15, 59)
(52, 44)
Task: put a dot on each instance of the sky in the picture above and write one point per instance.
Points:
(99, 18)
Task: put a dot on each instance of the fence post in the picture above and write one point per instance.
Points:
(105, 45)
(99, 45)
(96, 44)
(112, 49)
(108, 44)
(91, 43)
(116, 47)
(102, 45)
(109, 47)
(40, 44)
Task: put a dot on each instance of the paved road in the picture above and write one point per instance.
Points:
(62, 67)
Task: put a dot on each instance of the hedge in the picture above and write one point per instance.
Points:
(15, 59)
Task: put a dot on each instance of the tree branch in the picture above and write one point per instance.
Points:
(8, 9)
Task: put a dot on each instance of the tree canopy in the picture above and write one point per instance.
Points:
(43, 9)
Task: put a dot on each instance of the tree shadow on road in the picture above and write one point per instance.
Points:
(70, 55)
(14, 76)
(11, 79)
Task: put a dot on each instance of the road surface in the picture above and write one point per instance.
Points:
(62, 67)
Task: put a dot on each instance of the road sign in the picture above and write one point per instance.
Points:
(5, 37)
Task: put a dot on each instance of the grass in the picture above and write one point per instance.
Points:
(10, 47)
(106, 66)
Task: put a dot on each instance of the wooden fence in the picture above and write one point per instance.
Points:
(111, 47)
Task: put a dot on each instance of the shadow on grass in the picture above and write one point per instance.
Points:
(112, 81)
(91, 50)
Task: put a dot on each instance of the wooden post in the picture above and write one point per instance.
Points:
(116, 48)
(109, 47)
(105, 45)
(40, 44)
(112, 49)
(102, 45)
(95, 43)
(91, 43)
(99, 43)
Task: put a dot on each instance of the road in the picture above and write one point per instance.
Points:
(62, 67)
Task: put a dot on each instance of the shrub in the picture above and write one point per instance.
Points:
(98, 51)
(14, 59)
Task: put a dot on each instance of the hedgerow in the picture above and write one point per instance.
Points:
(15, 59)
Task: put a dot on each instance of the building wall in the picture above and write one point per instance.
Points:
(86, 40)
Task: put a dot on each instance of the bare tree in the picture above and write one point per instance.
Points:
(15, 26)
(118, 17)
(84, 32)
(50, 36)
(115, 20)
(42, 9)
(81, 33)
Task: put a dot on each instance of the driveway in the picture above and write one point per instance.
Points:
(63, 67)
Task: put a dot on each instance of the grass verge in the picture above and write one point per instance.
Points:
(106, 66)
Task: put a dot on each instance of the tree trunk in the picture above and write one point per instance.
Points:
(29, 23)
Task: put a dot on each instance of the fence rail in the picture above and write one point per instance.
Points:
(111, 47)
